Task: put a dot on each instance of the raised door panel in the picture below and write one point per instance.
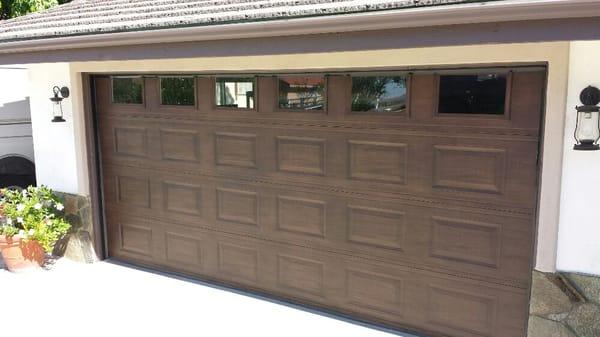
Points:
(238, 261)
(302, 216)
(477, 314)
(469, 168)
(238, 206)
(180, 145)
(130, 141)
(382, 294)
(182, 198)
(377, 161)
(301, 155)
(183, 250)
(376, 227)
(132, 191)
(301, 275)
(466, 241)
(235, 149)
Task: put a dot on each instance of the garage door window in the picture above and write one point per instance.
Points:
(472, 94)
(234, 92)
(178, 91)
(127, 90)
(302, 93)
(385, 94)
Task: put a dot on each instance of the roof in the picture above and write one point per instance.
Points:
(87, 17)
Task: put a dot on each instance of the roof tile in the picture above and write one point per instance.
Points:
(83, 17)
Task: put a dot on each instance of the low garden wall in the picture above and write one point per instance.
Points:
(78, 245)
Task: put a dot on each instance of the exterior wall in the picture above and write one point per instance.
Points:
(67, 140)
(554, 54)
(55, 144)
(15, 122)
(579, 233)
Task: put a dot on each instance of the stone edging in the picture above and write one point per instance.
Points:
(564, 305)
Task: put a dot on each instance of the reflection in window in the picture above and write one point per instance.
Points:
(302, 92)
(473, 94)
(127, 90)
(235, 92)
(379, 93)
(177, 91)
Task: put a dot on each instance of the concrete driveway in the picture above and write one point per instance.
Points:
(108, 299)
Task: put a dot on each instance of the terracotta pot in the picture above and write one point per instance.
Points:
(20, 256)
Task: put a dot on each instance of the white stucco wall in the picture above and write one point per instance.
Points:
(15, 123)
(54, 143)
(579, 226)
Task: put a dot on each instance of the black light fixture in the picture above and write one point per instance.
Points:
(587, 129)
(59, 95)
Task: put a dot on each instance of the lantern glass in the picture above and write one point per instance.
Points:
(57, 112)
(587, 132)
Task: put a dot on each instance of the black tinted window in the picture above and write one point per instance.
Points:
(472, 94)
(177, 91)
(127, 90)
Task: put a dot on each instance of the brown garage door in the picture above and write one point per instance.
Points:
(417, 211)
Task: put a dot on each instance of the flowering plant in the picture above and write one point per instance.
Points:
(35, 213)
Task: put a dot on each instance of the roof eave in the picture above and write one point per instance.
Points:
(497, 11)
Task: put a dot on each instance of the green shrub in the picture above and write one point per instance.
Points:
(35, 213)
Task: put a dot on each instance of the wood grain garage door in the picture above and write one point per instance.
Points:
(421, 220)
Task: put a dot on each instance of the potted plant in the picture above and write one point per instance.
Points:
(32, 221)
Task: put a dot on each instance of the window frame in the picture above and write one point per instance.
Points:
(230, 108)
(177, 106)
(143, 91)
(507, 95)
(279, 109)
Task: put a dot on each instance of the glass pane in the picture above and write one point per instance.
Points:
(587, 127)
(302, 92)
(127, 90)
(379, 93)
(472, 94)
(177, 91)
(235, 92)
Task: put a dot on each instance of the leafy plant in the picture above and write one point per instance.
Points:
(35, 213)
(14, 8)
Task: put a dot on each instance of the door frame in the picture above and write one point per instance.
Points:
(94, 168)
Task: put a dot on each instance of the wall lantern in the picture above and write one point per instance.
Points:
(587, 129)
(59, 95)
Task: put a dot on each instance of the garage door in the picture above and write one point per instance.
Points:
(407, 200)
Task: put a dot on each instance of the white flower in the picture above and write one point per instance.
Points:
(37, 206)
(31, 232)
(24, 193)
(59, 206)
(19, 219)
(20, 207)
(9, 221)
(21, 233)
